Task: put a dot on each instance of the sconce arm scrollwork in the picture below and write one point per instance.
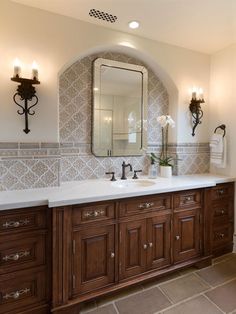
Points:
(197, 113)
(26, 92)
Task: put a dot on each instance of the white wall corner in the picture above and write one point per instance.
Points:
(234, 248)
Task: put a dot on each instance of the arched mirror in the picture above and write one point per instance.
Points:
(119, 108)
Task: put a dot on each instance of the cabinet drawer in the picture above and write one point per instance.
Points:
(187, 199)
(21, 290)
(222, 191)
(18, 252)
(144, 204)
(222, 212)
(19, 220)
(93, 212)
(222, 235)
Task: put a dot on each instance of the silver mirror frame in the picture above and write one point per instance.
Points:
(97, 82)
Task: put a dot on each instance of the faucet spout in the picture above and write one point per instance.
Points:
(124, 165)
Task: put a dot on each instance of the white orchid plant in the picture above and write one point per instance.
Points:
(164, 160)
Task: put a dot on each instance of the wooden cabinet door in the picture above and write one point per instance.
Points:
(158, 241)
(93, 259)
(186, 234)
(132, 248)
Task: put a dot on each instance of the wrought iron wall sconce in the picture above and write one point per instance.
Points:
(26, 92)
(195, 108)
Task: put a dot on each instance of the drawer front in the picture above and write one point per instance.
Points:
(144, 204)
(18, 252)
(94, 212)
(188, 199)
(21, 290)
(19, 220)
(223, 191)
(222, 212)
(222, 235)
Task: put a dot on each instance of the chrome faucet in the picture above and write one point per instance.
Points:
(124, 165)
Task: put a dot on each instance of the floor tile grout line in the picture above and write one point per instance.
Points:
(181, 276)
(227, 257)
(168, 298)
(158, 285)
(207, 283)
(214, 304)
(222, 284)
(173, 304)
(116, 309)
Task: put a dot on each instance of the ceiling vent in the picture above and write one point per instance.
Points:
(103, 16)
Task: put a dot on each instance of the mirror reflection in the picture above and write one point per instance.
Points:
(119, 108)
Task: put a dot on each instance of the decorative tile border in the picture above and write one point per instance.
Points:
(46, 164)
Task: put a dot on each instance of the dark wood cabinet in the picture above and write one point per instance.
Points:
(132, 248)
(159, 241)
(93, 258)
(25, 261)
(186, 235)
(220, 202)
(99, 248)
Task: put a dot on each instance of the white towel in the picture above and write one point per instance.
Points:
(218, 150)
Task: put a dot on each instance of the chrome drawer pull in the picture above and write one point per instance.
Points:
(112, 254)
(187, 198)
(145, 205)
(150, 244)
(145, 246)
(222, 235)
(16, 224)
(16, 294)
(95, 213)
(177, 237)
(16, 256)
(221, 192)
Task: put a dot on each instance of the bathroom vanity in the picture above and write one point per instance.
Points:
(53, 259)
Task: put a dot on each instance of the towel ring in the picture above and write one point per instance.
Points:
(222, 127)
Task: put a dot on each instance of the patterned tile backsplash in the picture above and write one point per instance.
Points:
(33, 165)
(25, 166)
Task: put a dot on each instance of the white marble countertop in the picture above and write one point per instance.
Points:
(79, 192)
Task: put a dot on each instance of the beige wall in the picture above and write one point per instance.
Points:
(223, 103)
(55, 41)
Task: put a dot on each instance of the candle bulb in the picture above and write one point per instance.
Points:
(17, 68)
(194, 93)
(201, 97)
(35, 72)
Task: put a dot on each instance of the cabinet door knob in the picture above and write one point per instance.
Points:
(177, 237)
(150, 244)
(112, 254)
(145, 246)
(222, 211)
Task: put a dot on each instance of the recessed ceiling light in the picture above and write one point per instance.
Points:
(134, 24)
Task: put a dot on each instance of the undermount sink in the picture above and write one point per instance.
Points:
(133, 184)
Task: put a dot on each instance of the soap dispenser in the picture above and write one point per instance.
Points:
(152, 173)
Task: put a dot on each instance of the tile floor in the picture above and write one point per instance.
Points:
(211, 290)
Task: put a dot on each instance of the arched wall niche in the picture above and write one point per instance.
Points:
(75, 97)
(145, 59)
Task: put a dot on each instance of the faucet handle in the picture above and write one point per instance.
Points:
(135, 174)
(113, 175)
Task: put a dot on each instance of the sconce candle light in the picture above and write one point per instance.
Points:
(25, 92)
(195, 107)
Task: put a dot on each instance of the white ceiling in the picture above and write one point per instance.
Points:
(202, 25)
